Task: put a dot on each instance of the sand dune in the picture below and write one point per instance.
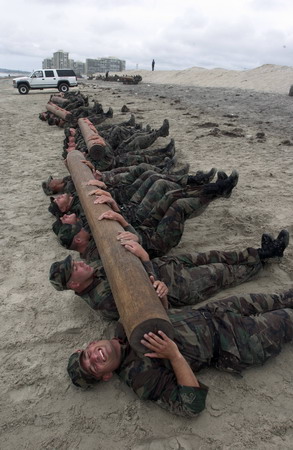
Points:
(267, 78)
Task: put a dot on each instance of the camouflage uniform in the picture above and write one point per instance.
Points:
(75, 207)
(91, 254)
(124, 139)
(155, 190)
(126, 175)
(162, 226)
(194, 277)
(230, 334)
(159, 236)
(132, 153)
(69, 187)
(98, 295)
(108, 161)
(136, 142)
(115, 135)
(191, 278)
(145, 193)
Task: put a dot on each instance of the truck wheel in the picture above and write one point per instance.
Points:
(63, 87)
(23, 89)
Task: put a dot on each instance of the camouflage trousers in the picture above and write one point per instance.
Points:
(163, 228)
(128, 182)
(251, 327)
(149, 188)
(127, 175)
(134, 180)
(140, 140)
(132, 159)
(194, 277)
(155, 195)
(107, 161)
(116, 135)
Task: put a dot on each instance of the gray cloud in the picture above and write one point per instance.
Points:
(178, 35)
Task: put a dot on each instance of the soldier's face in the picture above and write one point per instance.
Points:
(83, 236)
(101, 357)
(63, 202)
(81, 272)
(56, 185)
(72, 219)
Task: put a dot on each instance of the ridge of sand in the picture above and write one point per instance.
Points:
(266, 78)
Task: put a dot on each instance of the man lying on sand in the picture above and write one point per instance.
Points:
(188, 279)
(230, 334)
(158, 219)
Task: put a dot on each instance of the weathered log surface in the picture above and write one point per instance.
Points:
(94, 142)
(59, 112)
(139, 307)
(58, 100)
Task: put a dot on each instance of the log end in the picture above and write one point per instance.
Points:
(153, 325)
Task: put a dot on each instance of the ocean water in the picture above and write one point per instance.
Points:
(12, 75)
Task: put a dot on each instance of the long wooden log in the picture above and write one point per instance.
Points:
(139, 307)
(59, 112)
(94, 142)
(58, 100)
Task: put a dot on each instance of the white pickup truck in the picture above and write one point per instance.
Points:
(62, 79)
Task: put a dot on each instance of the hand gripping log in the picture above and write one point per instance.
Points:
(139, 307)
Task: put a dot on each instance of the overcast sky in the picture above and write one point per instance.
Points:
(178, 34)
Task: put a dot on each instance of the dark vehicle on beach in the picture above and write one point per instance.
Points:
(61, 79)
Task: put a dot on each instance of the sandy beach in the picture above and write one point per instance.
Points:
(218, 118)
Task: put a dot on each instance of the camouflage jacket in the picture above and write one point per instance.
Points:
(91, 254)
(99, 295)
(76, 208)
(69, 187)
(106, 160)
(154, 379)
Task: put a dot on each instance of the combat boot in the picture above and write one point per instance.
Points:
(167, 164)
(221, 175)
(182, 170)
(222, 187)
(164, 130)
(131, 121)
(273, 248)
(202, 177)
(170, 149)
(109, 113)
(266, 240)
(227, 185)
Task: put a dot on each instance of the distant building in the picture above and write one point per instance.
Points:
(91, 66)
(47, 63)
(61, 60)
(110, 64)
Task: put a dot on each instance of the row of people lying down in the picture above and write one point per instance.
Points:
(230, 334)
(122, 145)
